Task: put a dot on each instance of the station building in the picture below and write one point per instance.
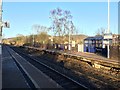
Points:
(93, 44)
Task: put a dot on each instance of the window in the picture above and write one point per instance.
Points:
(90, 41)
(96, 41)
(100, 45)
(93, 41)
(86, 41)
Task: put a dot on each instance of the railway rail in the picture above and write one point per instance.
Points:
(87, 57)
(63, 80)
(95, 80)
(111, 67)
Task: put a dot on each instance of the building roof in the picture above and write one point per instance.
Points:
(94, 38)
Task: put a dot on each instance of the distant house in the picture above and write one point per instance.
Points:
(116, 39)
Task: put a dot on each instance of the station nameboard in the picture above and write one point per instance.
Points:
(108, 36)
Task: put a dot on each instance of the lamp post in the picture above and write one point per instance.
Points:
(70, 24)
(33, 37)
(108, 46)
(108, 16)
(108, 35)
(1, 43)
(69, 41)
(1, 21)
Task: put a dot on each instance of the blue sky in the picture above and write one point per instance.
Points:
(87, 16)
(59, 0)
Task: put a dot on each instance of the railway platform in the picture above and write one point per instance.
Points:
(18, 73)
(11, 76)
(97, 61)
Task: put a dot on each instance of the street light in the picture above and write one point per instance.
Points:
(108, 46)
(108, 35)
(69, 41)
(70, 24)
(1, 21)
(1, 43)
(33, 37)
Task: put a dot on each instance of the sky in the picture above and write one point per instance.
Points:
(88, 17)
(59, 0)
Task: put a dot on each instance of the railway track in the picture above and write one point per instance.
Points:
(95, 80)
(63, 80)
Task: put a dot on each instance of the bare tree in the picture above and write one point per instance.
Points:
(39, 33)
(43, 37)
(62, 23)
(100, 31)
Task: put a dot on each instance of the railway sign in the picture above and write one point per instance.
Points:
(108, 36)
(6, 24)
(107, 39)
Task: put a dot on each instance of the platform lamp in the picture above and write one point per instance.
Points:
(108, 46)
(1, 21)
(108, 16)
(0, 43)
(108, 36)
